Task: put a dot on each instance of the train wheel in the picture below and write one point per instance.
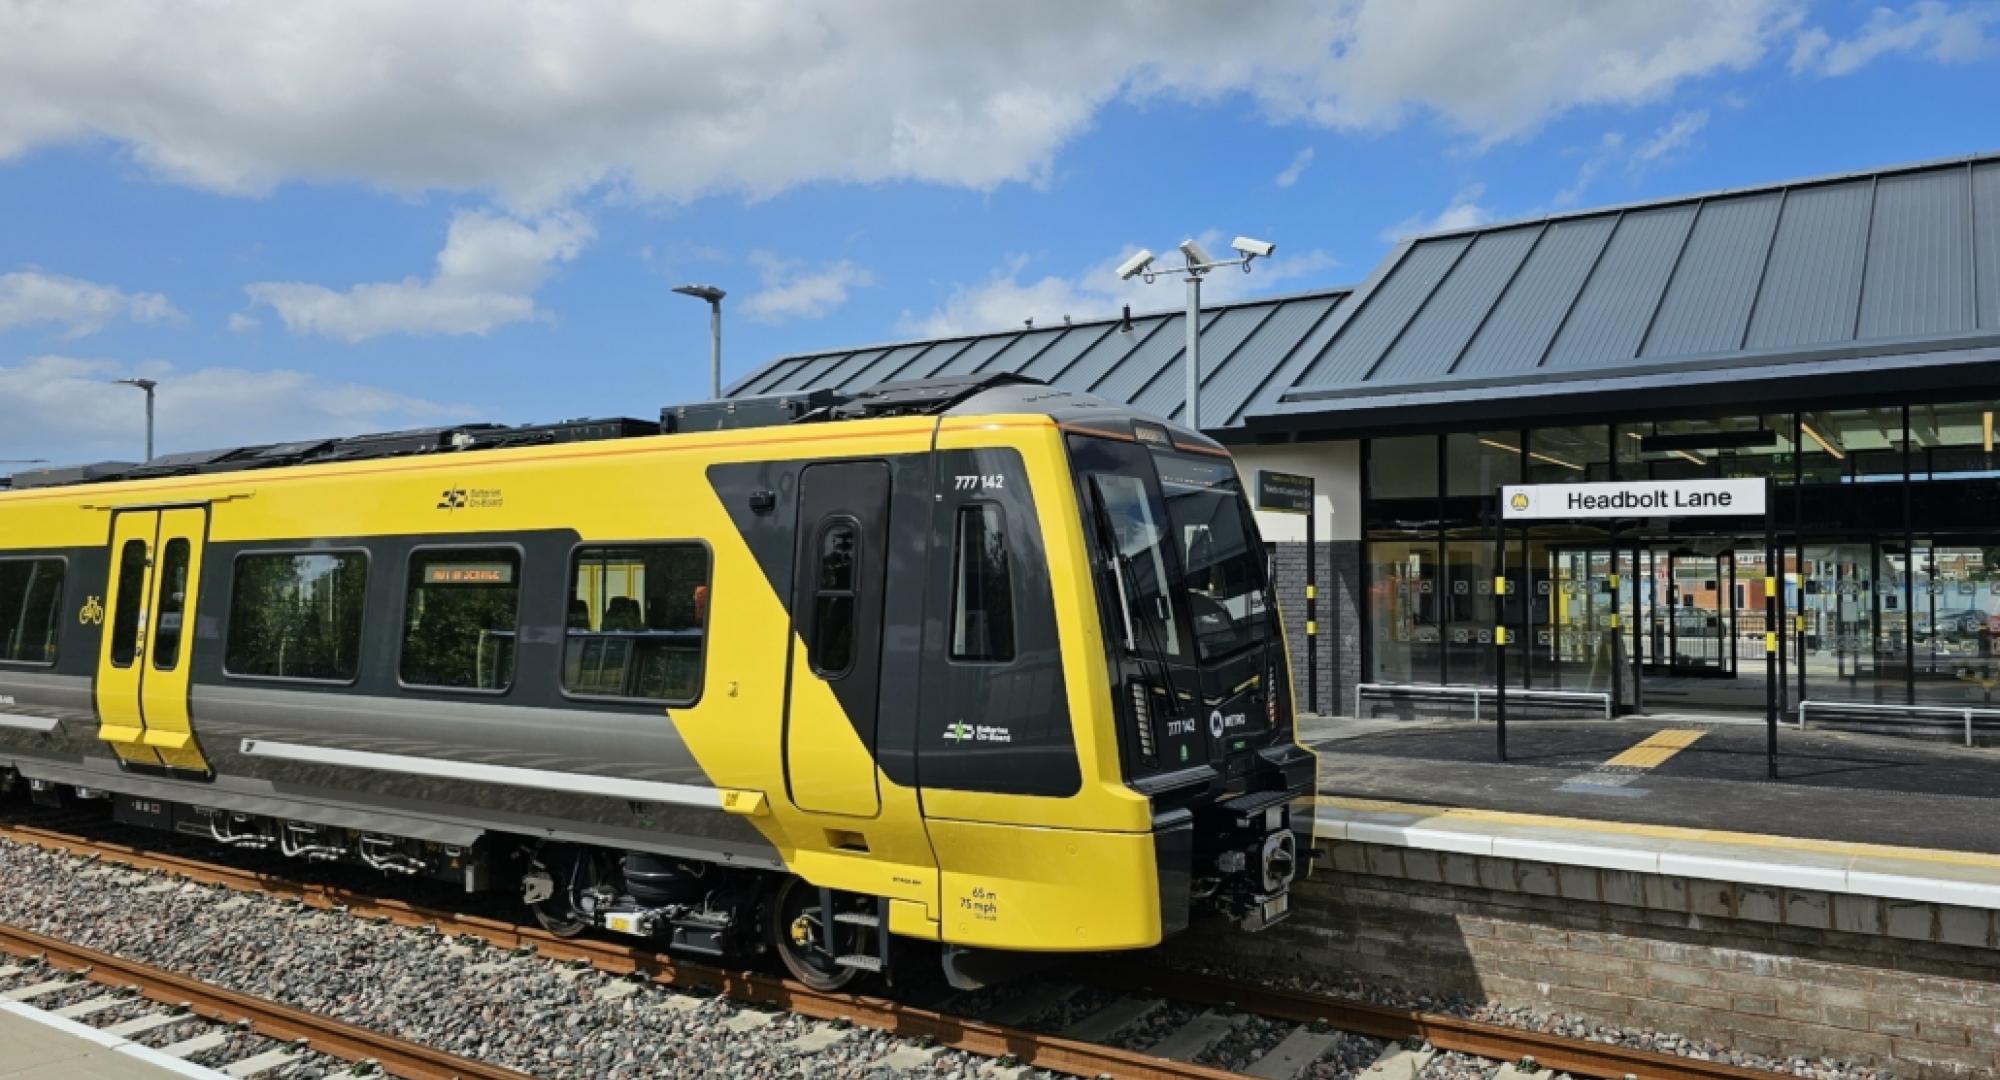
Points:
(558, 874)
(800, 931)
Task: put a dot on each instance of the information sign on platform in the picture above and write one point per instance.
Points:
(1288, 493)
(1735, 497)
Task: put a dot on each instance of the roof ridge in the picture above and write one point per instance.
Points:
(1766, 188)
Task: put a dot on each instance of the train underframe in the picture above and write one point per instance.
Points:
(1241, 862)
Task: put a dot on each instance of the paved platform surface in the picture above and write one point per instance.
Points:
(1863, 814)
(37, 1046)
(1831, 785)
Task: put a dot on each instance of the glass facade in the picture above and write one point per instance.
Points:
(1887, 520)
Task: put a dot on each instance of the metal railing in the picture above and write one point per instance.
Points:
(1864, 707)
(1556, 697)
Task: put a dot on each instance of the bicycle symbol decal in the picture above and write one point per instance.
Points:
(92, 612)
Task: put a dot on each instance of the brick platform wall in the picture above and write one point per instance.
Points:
(1914, 987)
(1339, 639)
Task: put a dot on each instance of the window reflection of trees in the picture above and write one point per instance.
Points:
(297, 616)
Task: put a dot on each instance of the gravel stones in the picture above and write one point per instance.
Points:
(524, 1012)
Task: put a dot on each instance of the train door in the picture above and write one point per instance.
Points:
(837, 590)
(142, 673)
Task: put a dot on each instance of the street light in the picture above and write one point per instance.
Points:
(714, 297)
(147, 385)
(1196, 263)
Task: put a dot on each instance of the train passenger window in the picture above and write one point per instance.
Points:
(982, 600)
(130, 603)
(834, 598)
(296, 615)
(173, 575)
(30, 599)
(637, 619)
(460, 618)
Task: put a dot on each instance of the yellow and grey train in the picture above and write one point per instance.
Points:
(981, 663)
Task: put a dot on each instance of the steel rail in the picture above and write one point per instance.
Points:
(1049, 1052)
(396, 1056)
(1497, 1042)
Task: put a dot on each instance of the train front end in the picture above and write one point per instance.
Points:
(1198, 669)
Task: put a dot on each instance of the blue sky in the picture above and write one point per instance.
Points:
(313, 222)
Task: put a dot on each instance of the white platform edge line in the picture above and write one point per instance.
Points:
(1357, 828)
(507, 775)
(39, 724)
(111, 1042)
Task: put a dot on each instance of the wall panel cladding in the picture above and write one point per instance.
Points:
(1339, 639)
(1907, 986)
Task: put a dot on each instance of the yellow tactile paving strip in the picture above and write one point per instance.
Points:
(1441, 815)
(1656, 749)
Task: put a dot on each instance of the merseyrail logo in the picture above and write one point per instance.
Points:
(92, 612)
(1519, 501)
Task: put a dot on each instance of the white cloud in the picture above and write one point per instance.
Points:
(1291, 173)
(1675, 136)
(486, 278)
(793, 290)
(1934, 29)
(239, 323)
(1465, 212)
(31, 298)
(1609, 148)
(1005, 300)
(536, 102)
(61, 408)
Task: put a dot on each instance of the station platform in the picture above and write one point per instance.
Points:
(35, 1045)
(1848, 813)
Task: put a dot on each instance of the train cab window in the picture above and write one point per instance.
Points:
(982, 600)
(30, 599)
(835, 598)
(130, 604)
(637, 620)
(460, 618)
(296, 615)
(172, 575)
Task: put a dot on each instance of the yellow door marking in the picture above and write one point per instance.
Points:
(1766, 841)
(1652, 752)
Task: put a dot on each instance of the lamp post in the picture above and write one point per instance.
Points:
(714, 297)
(147, 385)
(1197, 262)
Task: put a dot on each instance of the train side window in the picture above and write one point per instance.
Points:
(296, 615)
(835, 598)
(460, 618)
(30, 603)
(129, 606)
(982, 589)
(173, 575)
(637, 619)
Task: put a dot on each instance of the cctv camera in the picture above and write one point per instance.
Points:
(1253, 249)
(1135, 265)
(1195, 255)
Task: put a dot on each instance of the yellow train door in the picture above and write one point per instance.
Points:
(142, 673)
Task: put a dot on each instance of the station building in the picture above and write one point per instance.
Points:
(1838, 335)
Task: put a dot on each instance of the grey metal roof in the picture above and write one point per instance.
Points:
(1710, 289)
(1891, 262)
(1246, 346)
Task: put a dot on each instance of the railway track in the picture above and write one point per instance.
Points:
(72, 967)
(1215, 1006)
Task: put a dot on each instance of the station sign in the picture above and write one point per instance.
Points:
(1735, 497)
(1287, 493)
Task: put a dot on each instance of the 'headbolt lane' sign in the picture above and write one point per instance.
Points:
(1646, 498)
